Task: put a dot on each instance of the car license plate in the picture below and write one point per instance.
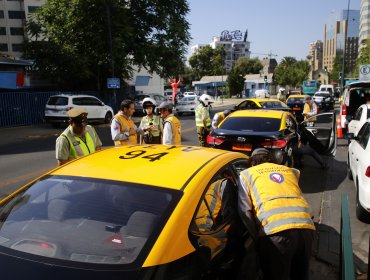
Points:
(242, 147)
(296, 109)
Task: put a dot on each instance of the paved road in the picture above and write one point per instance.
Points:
(26, 152)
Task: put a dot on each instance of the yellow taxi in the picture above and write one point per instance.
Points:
(261, 103)
(277, 131)
(296, 103)
(135, 212)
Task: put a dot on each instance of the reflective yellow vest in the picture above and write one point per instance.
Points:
(207, 213)
(77, 146)
(176, 129)
(125, 125)
(157, 122)
(199, 110)
(277, 199)
(308, 110)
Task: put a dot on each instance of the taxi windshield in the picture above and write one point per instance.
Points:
(295, 99)
(253, 124)
(86, 220)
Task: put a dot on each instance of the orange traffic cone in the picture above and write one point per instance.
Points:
(339, 128)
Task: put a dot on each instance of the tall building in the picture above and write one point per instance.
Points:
(315, 55)
(235, 44)
(13, 16)
(364, 23)
(339, 37)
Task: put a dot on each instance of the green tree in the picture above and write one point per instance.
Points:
(364, 58)
(235, 82)
(207, 62)
(291, 72)
(85, 40)
(248, 65)
(337, 68)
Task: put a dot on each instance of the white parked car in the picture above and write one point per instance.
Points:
(187, 104)
(361, 115)
(57, 106)
(189, 93)
(359, 169)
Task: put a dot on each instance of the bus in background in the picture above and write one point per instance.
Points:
(309, 87)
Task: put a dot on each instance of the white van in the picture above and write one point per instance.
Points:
(329, 88)
(261, 93)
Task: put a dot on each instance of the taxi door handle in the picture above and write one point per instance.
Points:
(314, 131)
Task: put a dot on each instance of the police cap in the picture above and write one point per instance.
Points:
(165, 105)
(77, 113)
(260, 151)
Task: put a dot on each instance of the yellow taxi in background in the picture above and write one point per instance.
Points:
(296, 103)
(261, 103)
(135, 212)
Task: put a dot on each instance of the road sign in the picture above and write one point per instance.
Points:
(364, 74)
(113, 83)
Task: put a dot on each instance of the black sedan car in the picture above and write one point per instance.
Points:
(278, 131)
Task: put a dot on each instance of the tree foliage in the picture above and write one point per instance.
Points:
(207, 62)
(235, 82)
(364, 58)
(291, 72)
(88, 40)
(248, 65)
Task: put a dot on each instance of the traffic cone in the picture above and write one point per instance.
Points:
(339, 128)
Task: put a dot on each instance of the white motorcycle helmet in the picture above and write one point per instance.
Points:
(147, 101)
(282, 90)
(206, 99)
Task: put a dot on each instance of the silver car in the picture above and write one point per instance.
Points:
(138, 101)
(187, 104)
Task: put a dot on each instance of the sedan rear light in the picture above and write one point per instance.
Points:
(344, 109)
(214, 141)
(274, 144)
(367, 173)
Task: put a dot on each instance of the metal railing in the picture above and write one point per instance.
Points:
(347, 271)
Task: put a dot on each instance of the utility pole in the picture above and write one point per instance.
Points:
(344, 47)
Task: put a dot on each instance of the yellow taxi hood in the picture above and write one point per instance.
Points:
(159, 165)
(258, 114)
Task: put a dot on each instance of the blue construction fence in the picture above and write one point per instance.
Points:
(27, 108)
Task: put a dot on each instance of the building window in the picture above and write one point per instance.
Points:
(16, 31)
(32, 9)
(1, 14)
(16, 14)
(2, 31)
(17, 47)
(4, 47)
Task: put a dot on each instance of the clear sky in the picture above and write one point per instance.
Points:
(283, 27)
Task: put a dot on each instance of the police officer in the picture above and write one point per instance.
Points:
(309, 110)
(171, 125)
(273, 209)
(123, 129)
(202, 118)
(151, 125)
(78, 139)
(219, 117)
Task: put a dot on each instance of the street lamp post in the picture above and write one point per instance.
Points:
(344, 45)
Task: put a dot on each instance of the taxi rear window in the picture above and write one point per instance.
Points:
(296, 99)
(253, 124)
(272, 104)
(86, 220)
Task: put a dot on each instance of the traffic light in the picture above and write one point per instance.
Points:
(340, 75)
(265, 78)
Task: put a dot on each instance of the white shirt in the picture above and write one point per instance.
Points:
(215, 120)
(167, 132)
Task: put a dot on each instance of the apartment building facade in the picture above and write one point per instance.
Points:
(339, 37)
(13, 16)
(236, 46)
(315, 55)
(364, 23)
